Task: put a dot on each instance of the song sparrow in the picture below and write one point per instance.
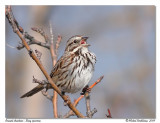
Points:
(73, 70)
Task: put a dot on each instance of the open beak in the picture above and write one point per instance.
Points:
(83, 42)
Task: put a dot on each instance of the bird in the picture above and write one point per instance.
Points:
(73, 70)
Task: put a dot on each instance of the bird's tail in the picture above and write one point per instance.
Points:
(33, 91)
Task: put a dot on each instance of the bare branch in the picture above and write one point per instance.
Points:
(109, 114)
(31, 41)
(41, 31)
(88, 107)
(39, 54)
(70, 113)
(52, 50)
(10, 18)
(51, 32)
(59, 38)
(54, 60)
(93, 111)
(17, 31)
(10, 46)
(45, 93)
(43, 82)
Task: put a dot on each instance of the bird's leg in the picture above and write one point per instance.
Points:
(85, 89)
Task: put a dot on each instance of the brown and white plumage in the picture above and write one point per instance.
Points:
(74, 69)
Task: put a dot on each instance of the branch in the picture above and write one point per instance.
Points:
(109, 114)
(59, 38)
(54, 60)
(52, 50)
(41, 31)
(39, 54)
(16, 29)
(88, 107)
(31, 41)
(71, 113)
(45, 93)
(43, 82)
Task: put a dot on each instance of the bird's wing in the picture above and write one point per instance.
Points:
(61, 68)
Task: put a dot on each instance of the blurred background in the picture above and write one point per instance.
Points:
(123, 39)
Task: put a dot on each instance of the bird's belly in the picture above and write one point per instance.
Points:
(80, 80)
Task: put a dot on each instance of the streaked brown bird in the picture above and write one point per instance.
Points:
(73, 70)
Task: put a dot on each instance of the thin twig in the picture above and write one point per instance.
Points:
(17, 31)
(54, 101)
(45, 93)
(10, 18)
(43, 82)
(52, 50)
(54, 60)
(41, 31)
(31, 41)
(93, 111)
(95, 83)
(10, 46)
(39, 54)
(70, 113)
(59, 38)
(109, 114)
(88, 107)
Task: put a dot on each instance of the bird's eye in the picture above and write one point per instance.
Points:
(75, 41)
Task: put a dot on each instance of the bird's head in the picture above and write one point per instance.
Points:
(76, 42)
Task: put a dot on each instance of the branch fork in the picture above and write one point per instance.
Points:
(28, 40)
(15, 26)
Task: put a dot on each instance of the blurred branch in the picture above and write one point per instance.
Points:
(109, 114)
(41, 31)
(10, 46)
(43, 82)
(39, 54)
(54, 60)
(88, 107)
(59, 38)
(71, 113)
(19, 31)
(31, 41)
(45, 93)
(52, 49)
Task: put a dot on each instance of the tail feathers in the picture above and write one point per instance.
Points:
(33, 91)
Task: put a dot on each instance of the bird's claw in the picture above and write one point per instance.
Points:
(85, 89)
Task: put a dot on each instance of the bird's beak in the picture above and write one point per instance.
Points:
(83, 42)
(84, 38)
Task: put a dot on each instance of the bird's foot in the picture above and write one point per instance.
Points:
(62, 92)
(85, 89)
